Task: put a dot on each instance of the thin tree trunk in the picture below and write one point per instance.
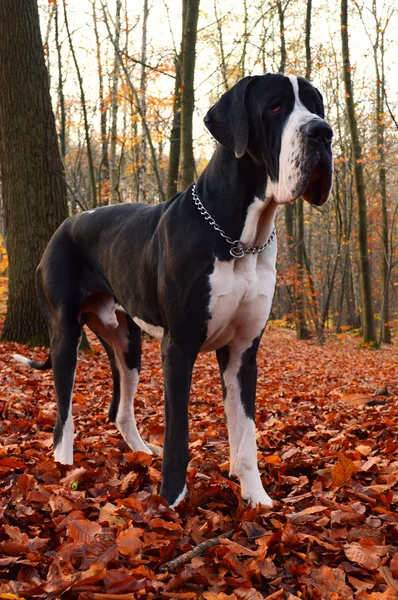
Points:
(368, 324)
(288, 208)
(308, 61)
(61, 96)
(301, 325)
(175, 136)
(103, 174)
(143, 86)
(114, 174)
(385, 331)
(281, 14)
(187, 93)
(245, 35)
(84, 109)
(34, 190)
(223, 64)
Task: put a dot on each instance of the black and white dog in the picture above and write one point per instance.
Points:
(198, 272)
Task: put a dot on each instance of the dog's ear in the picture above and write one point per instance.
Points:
(227, 120)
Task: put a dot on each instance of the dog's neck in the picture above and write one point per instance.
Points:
(230, 186)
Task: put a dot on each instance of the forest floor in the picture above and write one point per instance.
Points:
(328, 456)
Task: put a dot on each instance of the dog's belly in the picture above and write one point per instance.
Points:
(240, 299)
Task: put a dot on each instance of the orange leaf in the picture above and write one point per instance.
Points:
(357, 399)
(83, 531)
(273, 459)
(365, 553)
(342, 471)
(129, 542)
(161, 524)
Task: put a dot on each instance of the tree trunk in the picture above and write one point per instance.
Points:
(33, 186)
(223, 64)
(61, 95)
(281, 15)
(103, 175)
(308, 58)
(175, 136)
(368, 324)
(385, 331)
(84, 109)
(302, 331)
(187, 91)
(114, 174)
(143, 86)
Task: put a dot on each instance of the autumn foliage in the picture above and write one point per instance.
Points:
(328, 454)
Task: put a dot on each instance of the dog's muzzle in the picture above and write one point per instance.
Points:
(318, 135)
(319, 130)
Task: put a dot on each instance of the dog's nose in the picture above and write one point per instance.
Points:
(319, 130)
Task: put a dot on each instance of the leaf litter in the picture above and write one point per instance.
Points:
(328, 456)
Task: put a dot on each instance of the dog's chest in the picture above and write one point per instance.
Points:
(240, 298)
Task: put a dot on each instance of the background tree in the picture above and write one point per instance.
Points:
(368, 324)
(190, 25)
(31, 169)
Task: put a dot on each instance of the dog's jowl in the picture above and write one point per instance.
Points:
(198, 272)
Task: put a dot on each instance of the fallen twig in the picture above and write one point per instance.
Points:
(199, 549)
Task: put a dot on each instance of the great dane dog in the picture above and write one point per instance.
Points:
(198, 272)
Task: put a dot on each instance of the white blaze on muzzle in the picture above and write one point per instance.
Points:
(293, 155)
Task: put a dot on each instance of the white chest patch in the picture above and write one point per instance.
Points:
(242, 289)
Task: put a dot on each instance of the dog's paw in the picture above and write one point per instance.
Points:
(257, 496)
(179, 498)
(156, 450)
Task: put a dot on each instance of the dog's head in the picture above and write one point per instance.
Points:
(279, 122)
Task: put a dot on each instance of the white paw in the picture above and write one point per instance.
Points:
(256, 496)
(139, 447)
(156, 450)
(63, 455)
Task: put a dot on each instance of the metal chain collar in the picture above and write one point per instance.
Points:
(237, 250)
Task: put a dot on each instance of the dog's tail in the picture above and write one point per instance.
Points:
(41, 366)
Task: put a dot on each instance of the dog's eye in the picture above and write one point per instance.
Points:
(275, 107)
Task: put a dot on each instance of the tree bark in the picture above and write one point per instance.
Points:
(308, 61)
(84, 109)
(223, 64)
(143, 86)
(368, 324)
(103, 171)
(187, 90)
(385, 331)
(175, 136)
(114, 172)
(33, 186)
(302, 331)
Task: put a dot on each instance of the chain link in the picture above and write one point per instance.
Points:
(237, 250)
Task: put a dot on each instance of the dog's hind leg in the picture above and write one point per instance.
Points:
(64, 346)
(238, 375)
(123, 347)
(128, 362)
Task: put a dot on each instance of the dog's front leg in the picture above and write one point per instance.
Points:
(177, 363)
(239, 373)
